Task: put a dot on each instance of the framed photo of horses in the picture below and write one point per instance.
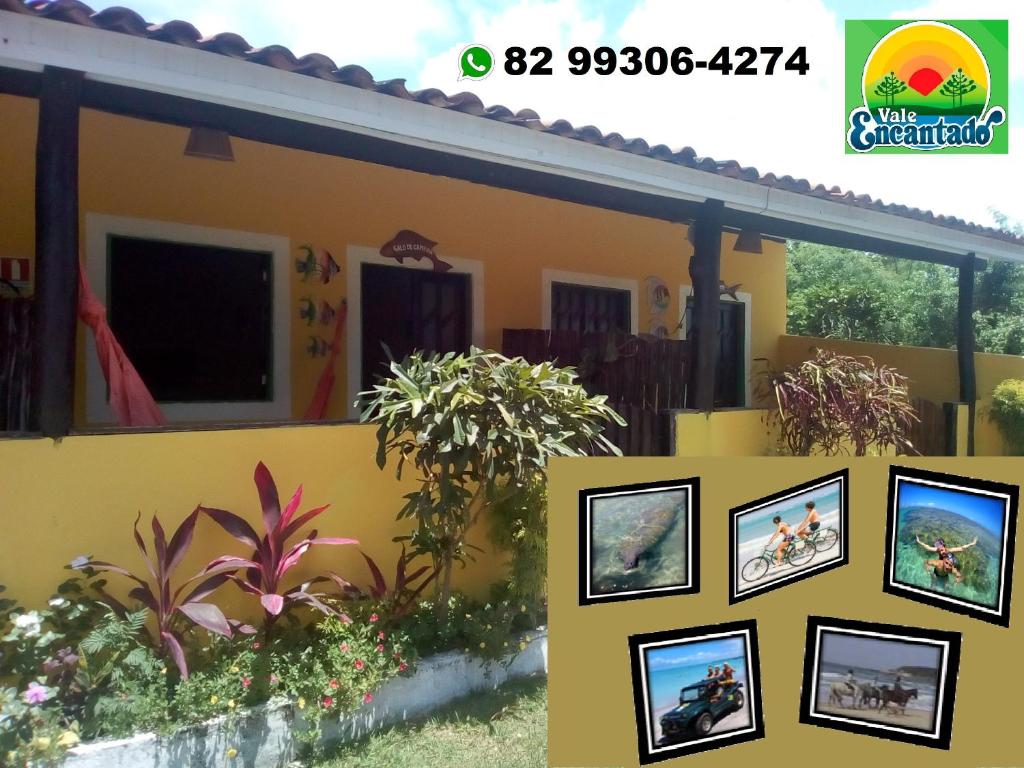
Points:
(638, 541)
(950, 542)
(791, 535)
(696, 689)
(882, 680)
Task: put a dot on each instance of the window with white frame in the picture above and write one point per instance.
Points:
(202, 313)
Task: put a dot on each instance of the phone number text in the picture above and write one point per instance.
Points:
(742, 60)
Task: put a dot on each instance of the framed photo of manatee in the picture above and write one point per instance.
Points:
(950, 542)
(639, 541)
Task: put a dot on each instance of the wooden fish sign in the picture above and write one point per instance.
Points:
(650, 528)
(412, 245)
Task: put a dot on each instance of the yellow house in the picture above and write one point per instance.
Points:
(229, 205)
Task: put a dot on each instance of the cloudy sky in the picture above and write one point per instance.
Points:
(784, 123)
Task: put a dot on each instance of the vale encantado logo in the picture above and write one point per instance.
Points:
(926, 85)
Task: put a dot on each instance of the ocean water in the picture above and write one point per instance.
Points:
(663, 684)
(836, 673)
(909, 569)
(758, 525)
(615, 517)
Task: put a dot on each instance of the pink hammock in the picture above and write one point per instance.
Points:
(322, 395)
(131, 402)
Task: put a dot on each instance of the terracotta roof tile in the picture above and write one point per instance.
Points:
(126, 21)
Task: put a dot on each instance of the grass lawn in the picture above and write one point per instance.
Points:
(506, 728)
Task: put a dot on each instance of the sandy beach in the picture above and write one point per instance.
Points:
(731, 722)
(910, 718)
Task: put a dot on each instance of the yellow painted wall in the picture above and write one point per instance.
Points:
(80, 496)
(136, 168)
(18, 121)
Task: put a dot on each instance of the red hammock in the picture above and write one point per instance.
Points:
(322, 395)
(130, 400)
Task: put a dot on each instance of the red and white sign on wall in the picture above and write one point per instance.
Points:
(15, 273)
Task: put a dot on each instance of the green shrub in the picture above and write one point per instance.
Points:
(1007, 411)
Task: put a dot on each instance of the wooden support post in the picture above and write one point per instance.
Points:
(705, 274)
(965, 344)
(55, 305)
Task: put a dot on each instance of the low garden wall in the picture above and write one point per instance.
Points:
(264, 737)
(932, 373)
(80, 496)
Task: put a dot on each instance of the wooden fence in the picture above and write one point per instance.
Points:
(934, 433)
(15, 363)
(643, 378)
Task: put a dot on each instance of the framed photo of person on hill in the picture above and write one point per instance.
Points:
(950, 542)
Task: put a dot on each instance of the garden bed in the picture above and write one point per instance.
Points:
(264, 737)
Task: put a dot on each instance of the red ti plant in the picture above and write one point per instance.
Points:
(166, 603)
(401, 597)
(272, 557)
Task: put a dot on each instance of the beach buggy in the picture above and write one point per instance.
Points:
(699, 709)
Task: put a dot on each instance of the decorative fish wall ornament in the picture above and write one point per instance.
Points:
(651, 527)
(327, 313)
(412, 245)
(328, 267)
(318, 347)
(306, 266)
(316, 264)
(729, 290)
(307, 310)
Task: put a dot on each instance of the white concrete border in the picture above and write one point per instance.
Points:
(263, 736)
(356, 256)
(99, 228)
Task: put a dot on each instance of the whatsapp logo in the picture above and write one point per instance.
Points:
(475, 62)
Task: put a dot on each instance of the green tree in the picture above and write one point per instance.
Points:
(957, 86)
(477, 427)
(889, 87)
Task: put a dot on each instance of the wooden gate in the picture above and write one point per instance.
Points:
(643, 378)
(931, 435)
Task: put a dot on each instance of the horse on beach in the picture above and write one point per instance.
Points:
(836, 692)
(898, 697)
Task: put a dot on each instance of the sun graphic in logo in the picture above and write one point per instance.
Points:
(928, 67)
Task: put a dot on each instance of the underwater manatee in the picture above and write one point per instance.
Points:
(652, 525)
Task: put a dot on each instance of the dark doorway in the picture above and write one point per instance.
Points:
(408, 310)
(730, 374)
(195, 320)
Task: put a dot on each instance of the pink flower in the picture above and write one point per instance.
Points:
(333, 684)
(367, 698)
(374, 618)
(274, 680)
(402, 667)
(380, 635)
(360, 664)
(256, 645)
(36, 693)
(380, 649)
(344, 647)
(246, 682)
(328, 702)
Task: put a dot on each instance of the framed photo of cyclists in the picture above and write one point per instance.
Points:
(793, 534)
(882, 680)
(950, 542)
(696, 689)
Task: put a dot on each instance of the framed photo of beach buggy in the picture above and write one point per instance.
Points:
(791, 535)
(638, 541)
(950, 542)
(882, 680)
(696, 689)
